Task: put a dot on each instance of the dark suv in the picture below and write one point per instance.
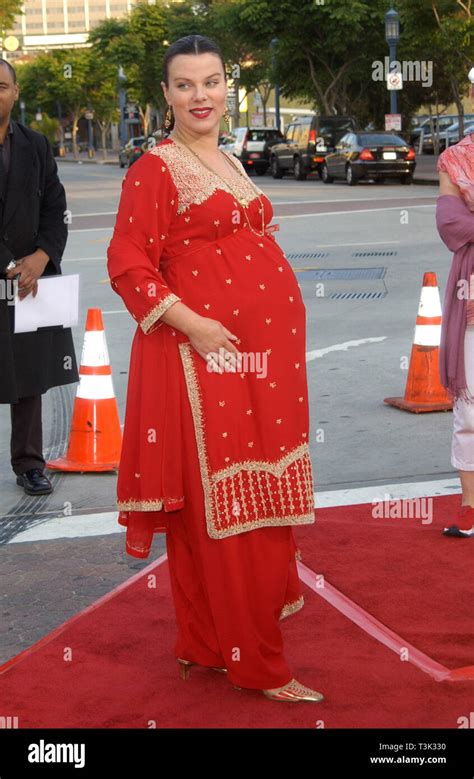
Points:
(306, 143)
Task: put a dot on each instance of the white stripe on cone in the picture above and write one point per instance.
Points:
(430, 303)
(95, 387)
(427, 335)
(430, 306)
(94, 349)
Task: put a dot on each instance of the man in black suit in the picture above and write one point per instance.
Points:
(33, 235)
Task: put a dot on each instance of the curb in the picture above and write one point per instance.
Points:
(432, 182)
(87, 162)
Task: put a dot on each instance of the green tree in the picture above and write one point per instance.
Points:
(441, 31)
(47, 125)
(59, 76)
(9, 10)
(101, 94)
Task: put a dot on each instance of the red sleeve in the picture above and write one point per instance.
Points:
(148, 202)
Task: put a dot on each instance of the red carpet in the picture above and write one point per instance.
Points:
(122, 671)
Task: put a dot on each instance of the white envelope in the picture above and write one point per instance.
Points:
(56, 303)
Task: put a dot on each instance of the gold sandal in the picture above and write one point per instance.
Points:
(293, 692)
(185, 667)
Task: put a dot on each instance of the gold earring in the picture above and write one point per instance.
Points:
(226, 116)
(168, 117)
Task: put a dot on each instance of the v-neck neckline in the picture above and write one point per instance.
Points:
(180, 145)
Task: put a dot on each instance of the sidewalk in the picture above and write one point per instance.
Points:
(425, 171)
(111, 158)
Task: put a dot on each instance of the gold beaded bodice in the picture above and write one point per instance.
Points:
(194, 182)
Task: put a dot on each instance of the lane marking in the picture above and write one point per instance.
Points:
(354, 496)
(89, 229)
(342, 347)
(83, 259)
(292, 203)
(295, 216)
(351, 200)
(362, 243)
(74, 526)
(105, 523)
(354, 212)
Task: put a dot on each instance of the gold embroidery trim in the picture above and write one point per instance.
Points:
(145, 505)
(154, 314)
(138, 548)
(140, 505)
(194, 182)
(220, 517)
(290, 608)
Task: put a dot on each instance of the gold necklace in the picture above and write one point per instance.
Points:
(243, 203)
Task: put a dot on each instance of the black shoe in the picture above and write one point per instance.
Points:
(454, 530)
(34, 482)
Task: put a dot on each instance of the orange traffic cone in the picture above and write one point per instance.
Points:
(95, 439)
(424, 391)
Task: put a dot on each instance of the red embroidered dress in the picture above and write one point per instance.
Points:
(180, 234)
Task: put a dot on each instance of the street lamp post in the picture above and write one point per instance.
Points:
(273, 45)
(392, 36)
(122, 99)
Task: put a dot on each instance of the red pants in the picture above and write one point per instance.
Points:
(230, 593)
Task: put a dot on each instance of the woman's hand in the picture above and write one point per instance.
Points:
(213, 342)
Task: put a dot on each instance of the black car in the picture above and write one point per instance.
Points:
(307, 141)
(440, 124)
(452, 131)
(374, 155)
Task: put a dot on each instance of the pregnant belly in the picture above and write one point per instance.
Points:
(247, 284)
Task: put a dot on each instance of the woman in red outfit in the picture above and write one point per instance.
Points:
(215, 445)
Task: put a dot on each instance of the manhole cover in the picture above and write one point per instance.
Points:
(357, 295)
(307, 256)
(374, 254)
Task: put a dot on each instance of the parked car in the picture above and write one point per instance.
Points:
(453, 135)
(132, 150)
(370, 155)
(417, 122)
(152, 139)
(251, 145)
(307, 142)
(224, 137)
(440, 123)
(443, 121)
